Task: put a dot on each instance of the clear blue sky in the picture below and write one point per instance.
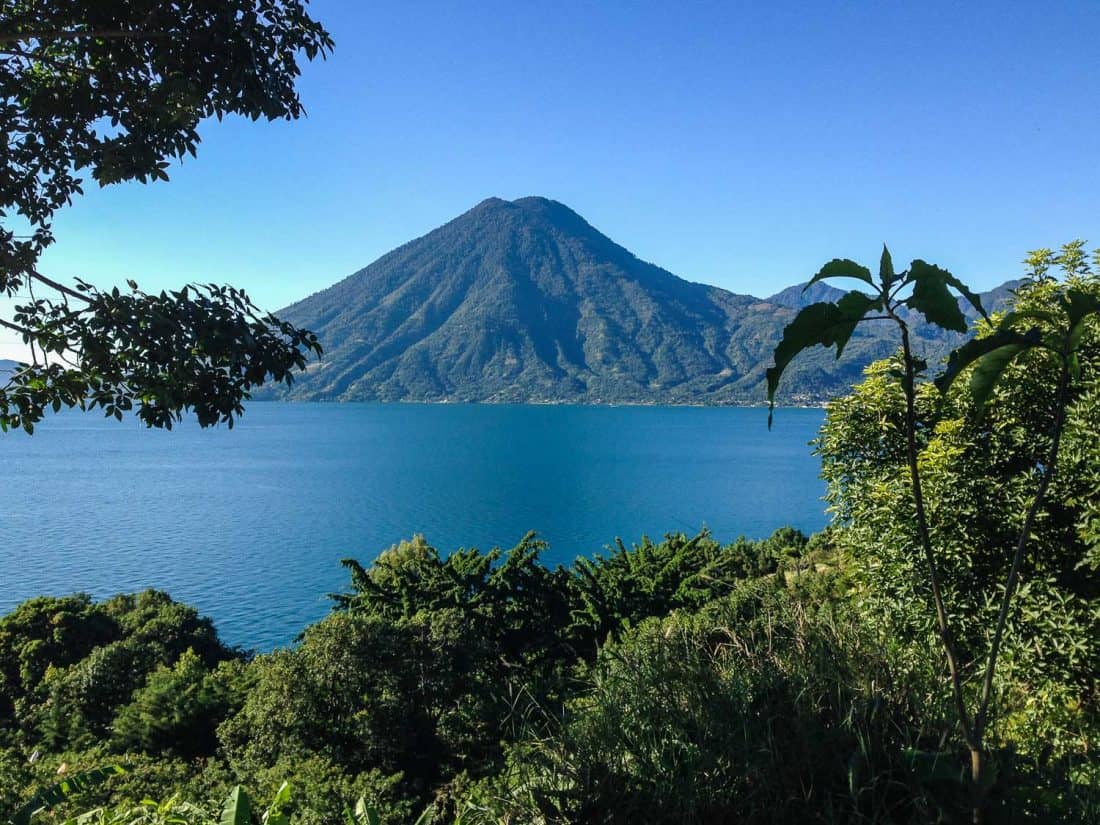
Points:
(738, 144)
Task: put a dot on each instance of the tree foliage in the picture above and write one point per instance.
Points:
(67, 665)
(407, 692)
(984, 450)
(116, 91)
(1054, 332)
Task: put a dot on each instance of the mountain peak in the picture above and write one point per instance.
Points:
(539, 203)
(492, 202)
(535, 206)
(801, 295)
(524, 300)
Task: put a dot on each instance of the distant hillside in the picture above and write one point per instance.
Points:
(525, 301)
(797, 296)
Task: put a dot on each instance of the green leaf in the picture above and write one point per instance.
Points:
(978, 348)
(841, 268)
(364, 814)
(886, 274)
(52, 795)
(237, 809)
(988, 372)
(282, 796)
(964, 290)
(1010, 319)
(274, 814)
(932, 298)
(1075, 366)
(1079, 306)
(826, 324)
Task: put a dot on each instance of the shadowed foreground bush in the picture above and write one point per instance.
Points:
(744, 683)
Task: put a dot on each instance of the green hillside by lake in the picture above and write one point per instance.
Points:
(525, 301)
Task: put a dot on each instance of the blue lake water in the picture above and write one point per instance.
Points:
(249, 525)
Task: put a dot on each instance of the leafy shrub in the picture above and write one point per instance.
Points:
(67, 665)
(980, 473)
(768, 705)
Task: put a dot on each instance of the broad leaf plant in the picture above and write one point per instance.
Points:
(931, 291)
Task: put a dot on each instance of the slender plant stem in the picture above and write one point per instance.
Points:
(981, 717)
(926, 542)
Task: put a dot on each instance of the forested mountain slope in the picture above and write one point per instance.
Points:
(525, 301)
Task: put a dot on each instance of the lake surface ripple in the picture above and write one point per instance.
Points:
(249, 525)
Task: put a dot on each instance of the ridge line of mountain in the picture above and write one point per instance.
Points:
(525, 301)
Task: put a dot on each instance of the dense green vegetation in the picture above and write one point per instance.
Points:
(425, 675)
(1048, 330)
(790, 679)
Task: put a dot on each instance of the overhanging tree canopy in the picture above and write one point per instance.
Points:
(114, 90)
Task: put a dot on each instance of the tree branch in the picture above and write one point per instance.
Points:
(15, 327)
(14, 375)
(73, 34)
(60, 65)
(60, 287)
